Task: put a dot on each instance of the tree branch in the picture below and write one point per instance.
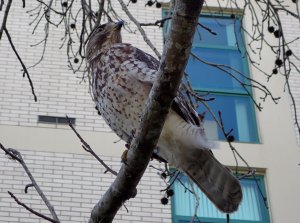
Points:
(25, 71)
(16, 155)
(30, 209)
(87, 148)
(3, 26)
(142, 31)
(170, 72)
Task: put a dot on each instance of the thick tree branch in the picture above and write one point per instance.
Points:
(171, 69)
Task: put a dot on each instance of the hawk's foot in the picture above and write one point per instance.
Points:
(124, 157)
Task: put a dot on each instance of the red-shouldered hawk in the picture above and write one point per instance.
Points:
(122, 77)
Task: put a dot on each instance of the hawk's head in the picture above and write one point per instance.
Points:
(102, 38)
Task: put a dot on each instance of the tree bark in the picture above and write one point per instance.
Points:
(172, 65)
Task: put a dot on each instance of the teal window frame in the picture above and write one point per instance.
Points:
(264, 212)
(230, 94)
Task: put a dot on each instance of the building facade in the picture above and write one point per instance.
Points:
(74, 181)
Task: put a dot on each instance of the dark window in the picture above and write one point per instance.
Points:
(55, 120)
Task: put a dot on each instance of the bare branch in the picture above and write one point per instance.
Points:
(159, 22)
(25, 71)
(30, 209)
(100, 12)
(87, 148)
(3, 26)
(142, 31)
(16, 155)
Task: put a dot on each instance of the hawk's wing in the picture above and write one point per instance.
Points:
(144, 67)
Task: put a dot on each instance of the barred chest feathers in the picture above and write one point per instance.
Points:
(115, 91)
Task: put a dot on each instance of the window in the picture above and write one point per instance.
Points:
(55, 120)
(235, 104)
(251, 210)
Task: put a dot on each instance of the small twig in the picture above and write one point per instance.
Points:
(25, 71)
(174, 178)
(196, 203)
(142, 31)
(49, 8)
(260, 191)
(157, 22)
(227, 218)
(30, 209)
(207, 29)
(100, 11)
(87, 148)
(234, 151)
(27, 186)
(83, 29)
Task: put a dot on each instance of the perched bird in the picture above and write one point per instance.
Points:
(121, 79)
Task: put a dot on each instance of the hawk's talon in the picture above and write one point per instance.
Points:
(124, 157)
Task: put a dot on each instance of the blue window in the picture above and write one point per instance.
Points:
(251, 210)
(230, 97)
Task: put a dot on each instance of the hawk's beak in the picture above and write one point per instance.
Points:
(119, 24)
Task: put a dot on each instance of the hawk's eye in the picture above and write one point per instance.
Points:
(100, 28)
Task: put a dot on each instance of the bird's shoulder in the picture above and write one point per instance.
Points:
(125, 52)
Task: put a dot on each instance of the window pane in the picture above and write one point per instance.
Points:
(207, 77)
(237, 114)
(237, 109)
(225, 28)
(252, 207)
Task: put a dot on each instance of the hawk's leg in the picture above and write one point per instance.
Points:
(127, 145)
(124, 157)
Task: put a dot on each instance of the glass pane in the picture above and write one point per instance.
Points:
(226, 30)
(207, 77)
(237, 114)
(250, 209)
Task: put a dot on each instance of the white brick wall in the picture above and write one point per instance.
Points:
(292, 31)
(74, 183)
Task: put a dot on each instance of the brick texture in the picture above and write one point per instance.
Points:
(291, 31)
(73, 184)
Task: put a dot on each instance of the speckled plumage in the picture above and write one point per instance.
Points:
(117, 86)
(122, 77)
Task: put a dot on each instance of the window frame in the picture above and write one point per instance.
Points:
(255, 139)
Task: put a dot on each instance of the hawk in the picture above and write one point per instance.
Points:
(121, 79)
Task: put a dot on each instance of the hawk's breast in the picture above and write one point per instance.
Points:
(119, 96)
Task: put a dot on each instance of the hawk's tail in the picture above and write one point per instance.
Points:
(184, 146)
(214, 179)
